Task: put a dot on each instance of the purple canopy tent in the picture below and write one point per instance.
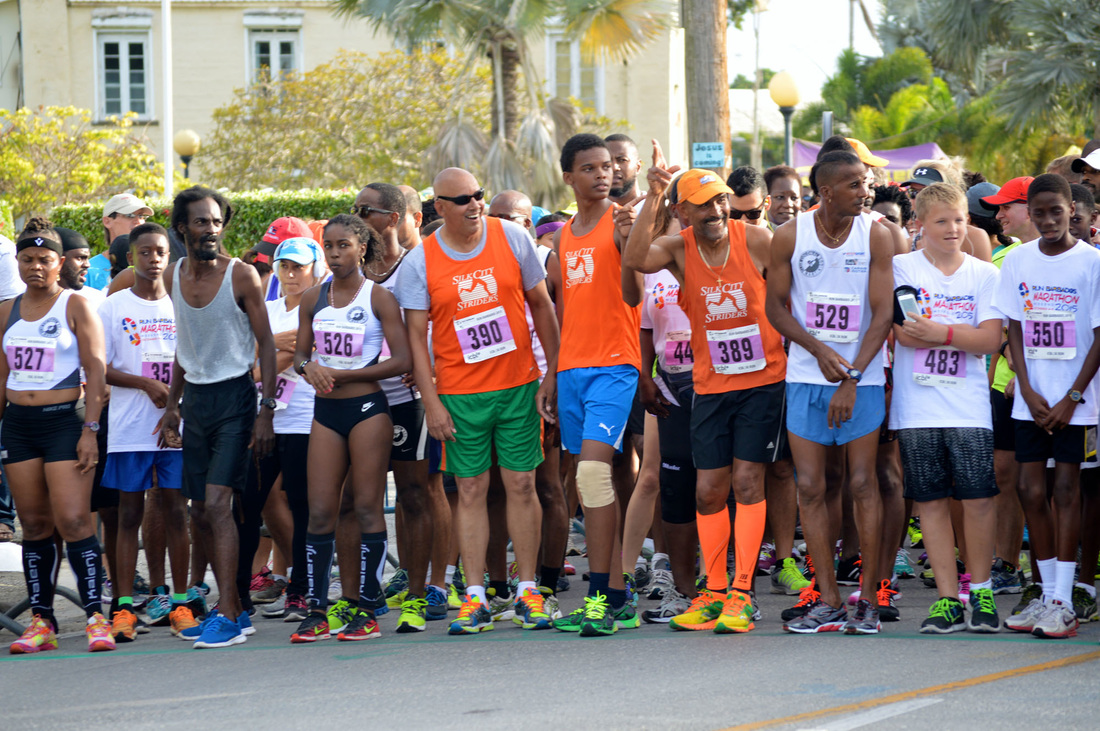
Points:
(902, 159)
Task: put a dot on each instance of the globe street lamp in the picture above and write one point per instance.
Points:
(186, 143)
(784, 92)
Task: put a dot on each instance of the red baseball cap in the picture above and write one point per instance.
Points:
(281, 229)
(1014, 191)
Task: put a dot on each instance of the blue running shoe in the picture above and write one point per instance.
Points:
(437, 604)
(193, 633)
(159, 607)
(221, 632)
(245, 623)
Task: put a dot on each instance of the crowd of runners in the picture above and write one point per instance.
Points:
(718, 380)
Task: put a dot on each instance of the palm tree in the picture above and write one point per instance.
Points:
(502, 31)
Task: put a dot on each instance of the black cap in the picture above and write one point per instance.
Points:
(71, 240)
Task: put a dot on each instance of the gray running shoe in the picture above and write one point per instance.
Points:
(865, 621)
(819, 618)
(672, 604)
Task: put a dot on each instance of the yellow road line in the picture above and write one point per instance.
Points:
(932, 690)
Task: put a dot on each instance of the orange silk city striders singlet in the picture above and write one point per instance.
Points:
(479, 327)
(734, 344)
(598, 329)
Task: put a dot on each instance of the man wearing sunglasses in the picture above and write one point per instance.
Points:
(750, 196)
(470, 279)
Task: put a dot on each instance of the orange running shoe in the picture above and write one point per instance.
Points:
(38, 637)
(736, 614)
(702, 614)
(99, 634)
(182, 618)
(124, 626)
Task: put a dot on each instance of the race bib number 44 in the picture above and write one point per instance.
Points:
(30, 360)
(833, 318)
(939, 367)
(679, 357)
(1050, 335)
(739, 350)
(485, 335)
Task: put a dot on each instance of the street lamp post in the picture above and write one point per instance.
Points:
(784, 92)
(186, 143)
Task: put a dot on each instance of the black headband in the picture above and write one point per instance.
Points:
(40, 239)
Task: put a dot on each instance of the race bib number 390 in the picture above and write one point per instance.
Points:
(1050, 335)
(485, 335)
(833, 318)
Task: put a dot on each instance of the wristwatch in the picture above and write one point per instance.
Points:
(855, 375)
(93, 426)
(300, 369)
(269, 403)
(1075, 396)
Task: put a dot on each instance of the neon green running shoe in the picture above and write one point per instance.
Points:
(340, 615)
(570, 622)
(598, 617)
(413, 617)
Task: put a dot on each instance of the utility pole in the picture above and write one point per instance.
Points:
(708, 105)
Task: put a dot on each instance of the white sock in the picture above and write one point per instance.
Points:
(277, 577)
(477, 591)
(449, 574)
(524, 586)
(987, 584)
(1090, 588)
(1063, 578)
(1047, 577)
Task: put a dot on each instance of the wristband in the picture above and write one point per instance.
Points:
(1004, 346)
(300, 369)
(950, 335)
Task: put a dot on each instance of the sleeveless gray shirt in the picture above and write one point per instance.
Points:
(214, 343)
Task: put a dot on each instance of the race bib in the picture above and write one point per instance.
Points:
(339, 344)
(833, 318)
(939, 367)
(485, 335)
(739, 350)
(678, 355)
(30, 360)
(284, 388)
(1050, 335)
(157, 366)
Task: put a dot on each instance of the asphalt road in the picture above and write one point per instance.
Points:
(649, 678)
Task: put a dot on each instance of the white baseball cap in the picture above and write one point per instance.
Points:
(126, 203)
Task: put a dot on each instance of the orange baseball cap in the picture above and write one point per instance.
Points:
(699, 186)
(865, 154)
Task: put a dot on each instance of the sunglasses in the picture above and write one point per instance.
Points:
(364, 211)
(752, 215)
(131, 216)
(462, 200)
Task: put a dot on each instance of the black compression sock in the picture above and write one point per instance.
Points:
(548, 577)
(87, 564)
(616, 597)
(372, 559)
(500, 589)
(40, 572)
(319, 550)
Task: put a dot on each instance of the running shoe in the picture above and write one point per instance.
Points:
(819, 617)
(107, 593)
(397, 584)
(766, 560)
(181, 619)
(296, 608)
(513, 575)
(865, 620)
(1031, 592)
(437, 603)
(551, 604)
(159, 607)
(473, 617)
(903, 567)
(141, 585)
(260, 580)
(190, 634)
(702, 613)
(1023, 563)
(99, 633)
(672, 604)
(626, 617)
(916, 537)
(757, 615)
(1057, 622)
(454, 599)
(220, 632)
(244, 621)
(1005, 579)
(270, 593)
(945, 617)
(196, 599)
(275, 609)
(574, 546)
(395, 601)
(413, 615)
(38, 637)
(340, 614)
(808, 569)
(568, 569)
(563, 583)
(642, 576)
(364, 626)
(1084, 605)
(928, 577)
(598, 617)
(964, 588)
(787, 579)
(737, 614)
(661, 584)
(502, 608)
(1024, 621)
(335, 588)
(312, 629)
(530, 610)
(570, 622)
(631, 591)
(459, 580)
(887, 602)
(806, 598)
(983, 612)
(124, 626)
(848, 571)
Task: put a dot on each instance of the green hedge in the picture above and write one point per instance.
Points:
(7, 227)
(253, 212)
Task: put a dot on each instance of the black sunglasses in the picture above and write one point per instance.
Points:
(752, 215)
(364, 211)
(462, 200)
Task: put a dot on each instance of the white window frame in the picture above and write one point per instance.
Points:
(124, 29)
(273, 25)
(575, 62)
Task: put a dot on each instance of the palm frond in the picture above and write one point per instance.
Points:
(536, 143)
(460, 145)
(612, 31)
(567, 119)
(502, 167)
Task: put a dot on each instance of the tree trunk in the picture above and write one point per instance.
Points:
(708, 108)
(509, 80)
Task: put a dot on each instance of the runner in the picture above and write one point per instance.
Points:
(1048, 292)
(49, 456)
(212, 294)
(784, 186)
(833, 269)
(346, 319)
(1088, 165)
(470, 280)
(140, 335)
(938, 403)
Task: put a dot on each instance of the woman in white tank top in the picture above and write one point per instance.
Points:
(49, 435)
(352, 433)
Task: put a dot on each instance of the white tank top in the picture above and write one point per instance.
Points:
(829, 297)
(347, 338)
(43, 354)
(396, 392)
